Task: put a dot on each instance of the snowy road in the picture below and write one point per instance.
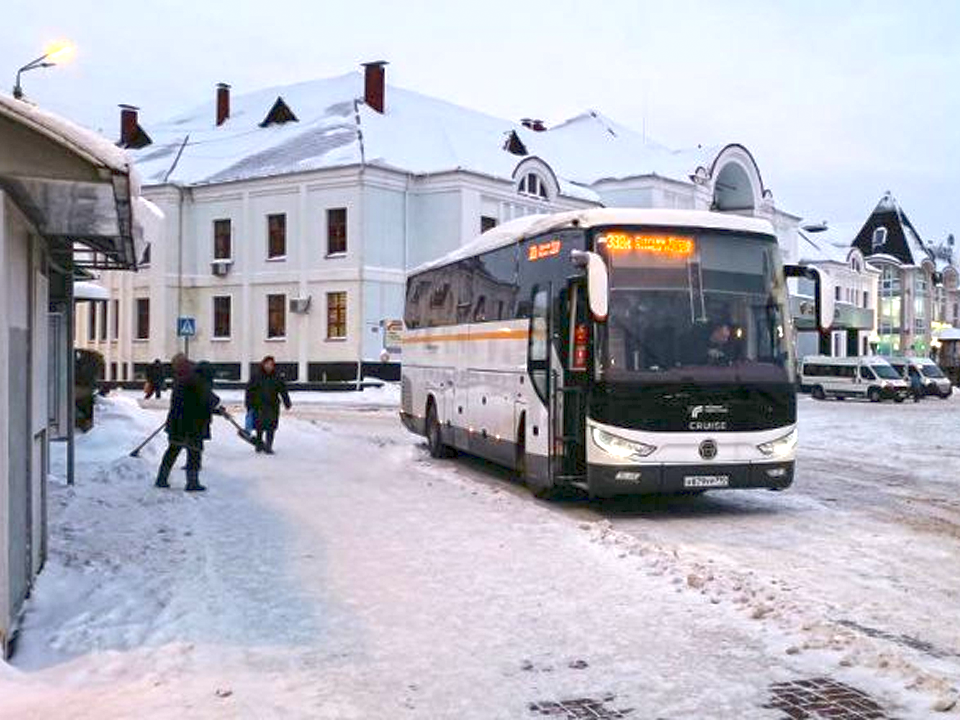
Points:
(350, 576)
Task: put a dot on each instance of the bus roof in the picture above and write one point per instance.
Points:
(532, 225)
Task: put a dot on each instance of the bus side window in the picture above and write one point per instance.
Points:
(538, 344)
(866, 373)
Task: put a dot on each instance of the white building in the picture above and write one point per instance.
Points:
(294, 212)
(853, 285)
(67, 200)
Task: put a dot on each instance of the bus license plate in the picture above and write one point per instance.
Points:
(706, 481)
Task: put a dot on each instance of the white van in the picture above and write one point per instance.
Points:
(932, 377)
(858, 377)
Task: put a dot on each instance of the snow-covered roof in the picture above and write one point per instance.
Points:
(591, 147)
(827, 242)
(532, 225)
(416, 134)
(90, 146)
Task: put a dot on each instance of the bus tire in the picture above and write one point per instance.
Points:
(873, 395)
(434, 434)
(818, 393)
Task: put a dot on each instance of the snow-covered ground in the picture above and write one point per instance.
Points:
(351, 576)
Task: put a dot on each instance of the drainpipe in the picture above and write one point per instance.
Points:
(71, 379)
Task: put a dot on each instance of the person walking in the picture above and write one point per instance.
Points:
(192, 402)
(264, 393)
(154, 380)
(916, 383)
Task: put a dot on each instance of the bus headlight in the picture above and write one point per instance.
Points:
(619, 447)
(781, 447)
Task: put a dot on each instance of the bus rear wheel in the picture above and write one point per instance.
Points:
(818, 393)
(434, 435)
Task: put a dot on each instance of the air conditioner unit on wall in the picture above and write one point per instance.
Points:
(300, 305)
(220, 268)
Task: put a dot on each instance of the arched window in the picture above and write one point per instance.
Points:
(534, 186)
(879, 238)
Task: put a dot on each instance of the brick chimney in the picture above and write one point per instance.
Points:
(374, 82)
(128, 124)
(223, 103)
(533, 124)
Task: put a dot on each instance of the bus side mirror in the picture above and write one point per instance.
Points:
(598, 282)
(823, 300)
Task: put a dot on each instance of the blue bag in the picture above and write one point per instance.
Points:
(249, 423)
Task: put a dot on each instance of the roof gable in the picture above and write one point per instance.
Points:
(900, 240)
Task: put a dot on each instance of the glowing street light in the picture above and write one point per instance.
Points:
(56, 53)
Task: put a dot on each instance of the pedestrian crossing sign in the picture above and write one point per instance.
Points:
(186, 326)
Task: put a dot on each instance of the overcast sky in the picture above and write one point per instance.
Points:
(838, 101)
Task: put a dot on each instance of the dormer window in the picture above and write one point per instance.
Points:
(279, 114)
(534, 186)
(514, 145)
(879, 238)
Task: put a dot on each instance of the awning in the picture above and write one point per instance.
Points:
(75, 186)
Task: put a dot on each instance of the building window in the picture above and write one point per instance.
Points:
(143, 319)
(487, 223)
(336, 315)
(222, 240)
(866, 299)
(276, 236)
(221, 316)
(879, 238)
(103, 321)
(534, 186)
(115, 321)
(836, 293)
(276, 316)
(336, 231)
(92, 321)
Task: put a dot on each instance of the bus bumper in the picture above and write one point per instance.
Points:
(414, 424)
(610, 480)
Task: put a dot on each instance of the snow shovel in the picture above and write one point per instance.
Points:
(136, 451)
(241, 431)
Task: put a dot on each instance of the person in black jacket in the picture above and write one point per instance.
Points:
(192, 403)
(154, 379)
(263, 396)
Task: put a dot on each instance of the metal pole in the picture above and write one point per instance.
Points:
(71, 390)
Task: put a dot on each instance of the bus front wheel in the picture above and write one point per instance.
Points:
(873, 394)
(434, 435)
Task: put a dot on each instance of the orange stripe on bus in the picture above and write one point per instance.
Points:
(457, 337)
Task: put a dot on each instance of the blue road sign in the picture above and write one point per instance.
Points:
(186, 326)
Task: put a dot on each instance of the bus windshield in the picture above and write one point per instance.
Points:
(702, 306)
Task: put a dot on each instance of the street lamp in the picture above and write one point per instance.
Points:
(56, 53)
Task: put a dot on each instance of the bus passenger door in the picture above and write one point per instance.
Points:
(570, 383)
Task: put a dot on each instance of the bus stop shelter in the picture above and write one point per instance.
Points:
(69, 204)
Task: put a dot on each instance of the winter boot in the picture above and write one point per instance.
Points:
(193, 482)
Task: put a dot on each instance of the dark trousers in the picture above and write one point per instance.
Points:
(170, 457)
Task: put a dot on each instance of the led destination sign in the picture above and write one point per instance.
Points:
(673, 245)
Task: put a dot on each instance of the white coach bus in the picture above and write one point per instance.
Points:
(616, 350)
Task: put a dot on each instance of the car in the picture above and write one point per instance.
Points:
(932, 377)
(870, 377)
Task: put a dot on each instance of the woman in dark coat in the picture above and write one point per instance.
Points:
(263, 396)
(192, 402)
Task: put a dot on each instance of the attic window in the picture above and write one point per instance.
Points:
(514, 145)
(534, 186)
(279, 114)
(879, 238)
